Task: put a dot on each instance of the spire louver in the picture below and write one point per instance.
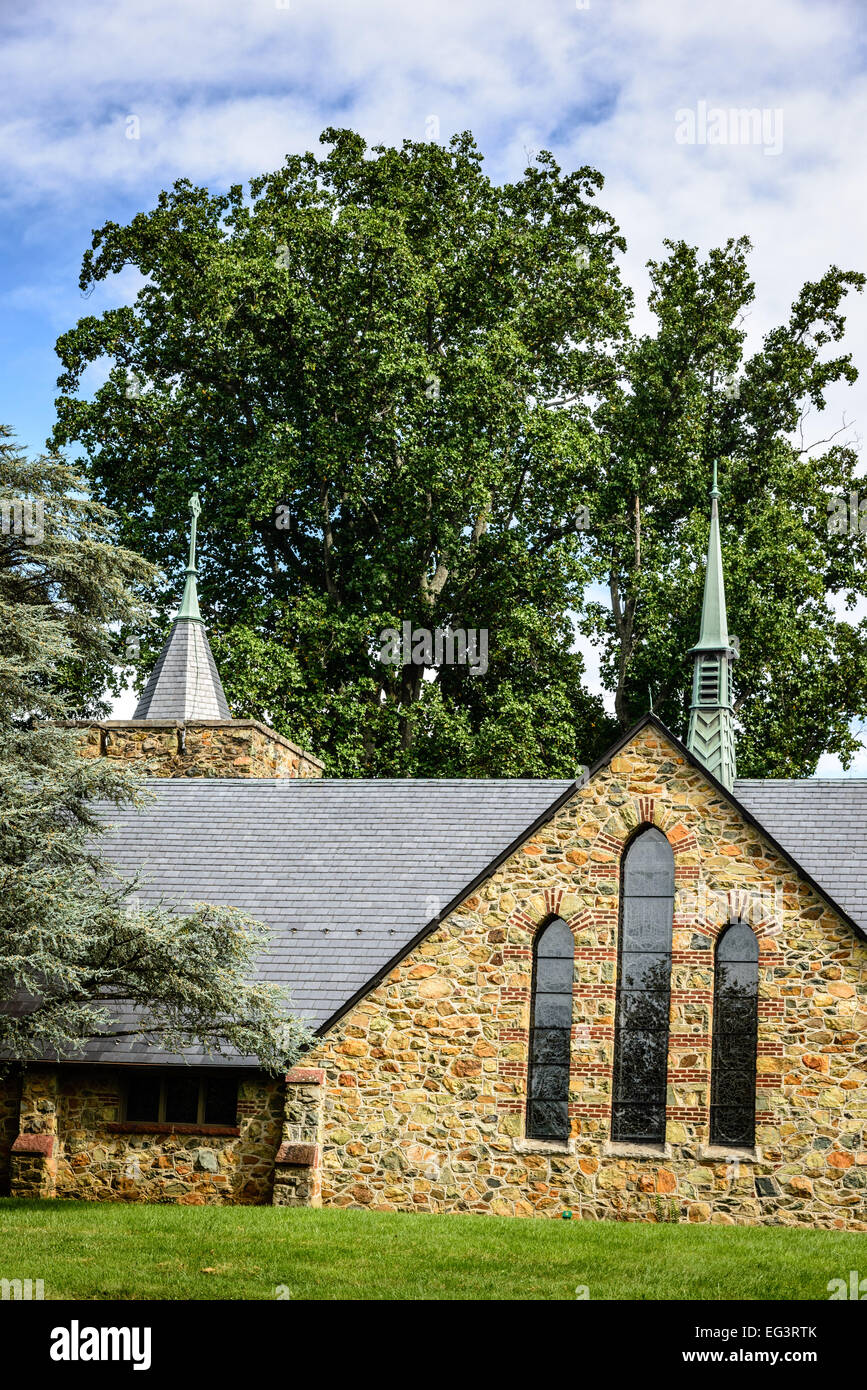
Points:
(711, 734)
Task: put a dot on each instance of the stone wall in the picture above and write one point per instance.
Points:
(426, 1077)
(10, 1106)
(34, 1152)
(198, 748)
(415, 1099)
(95, 1155)
(297, 1172)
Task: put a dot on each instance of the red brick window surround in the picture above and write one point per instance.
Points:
(641, 1038)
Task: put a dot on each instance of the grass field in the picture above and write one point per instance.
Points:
(92, 1251)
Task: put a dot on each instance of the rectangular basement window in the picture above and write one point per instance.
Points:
(185, 1098)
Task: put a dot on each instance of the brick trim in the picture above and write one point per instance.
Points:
(35, 1144)
(298, 1155)
(305, 1076)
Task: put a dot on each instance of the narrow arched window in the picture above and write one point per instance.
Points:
(643, 991)
(735, 1038)
(550, 1033)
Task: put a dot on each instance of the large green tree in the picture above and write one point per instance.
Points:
(74, 939)
(689, 395)
(403, 392)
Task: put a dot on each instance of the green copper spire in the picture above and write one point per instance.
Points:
(711, 721)
(714, 633)
(190, 602)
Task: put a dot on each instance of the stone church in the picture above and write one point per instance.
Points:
(641, 994)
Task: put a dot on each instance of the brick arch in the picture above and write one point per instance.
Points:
(648, 812)
(532, 912)
(737, 904)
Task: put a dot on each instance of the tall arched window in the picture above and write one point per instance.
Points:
(735, 1037)
(643, 991)
(550, 1033)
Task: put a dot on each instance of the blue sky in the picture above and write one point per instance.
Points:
(224, 89)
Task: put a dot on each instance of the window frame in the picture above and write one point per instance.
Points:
(201, 1103)
(531, 1129)
(650, 1141)
(714, 1105)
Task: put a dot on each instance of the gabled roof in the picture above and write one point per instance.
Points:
(352, 875)
(822, 822)
(842, 814)
(347, 874)
(185, 683)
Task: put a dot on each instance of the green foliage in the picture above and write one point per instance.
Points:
(802, 673)
(62, 599)
(372, 343)
(73, 939)
(433, 375)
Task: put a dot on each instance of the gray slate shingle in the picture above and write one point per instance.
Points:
(185, 683)
(347, 873)
(822, 822)
(344, 872)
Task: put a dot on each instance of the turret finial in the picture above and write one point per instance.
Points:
(190, 602)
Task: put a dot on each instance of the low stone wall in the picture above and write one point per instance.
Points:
(10, 1106)
(72, 1143)
(198, 748)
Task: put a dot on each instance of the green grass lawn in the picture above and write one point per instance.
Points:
(87, 1250)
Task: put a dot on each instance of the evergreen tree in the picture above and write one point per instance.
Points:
(74, 940)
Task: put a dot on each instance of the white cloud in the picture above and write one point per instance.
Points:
(223, 91)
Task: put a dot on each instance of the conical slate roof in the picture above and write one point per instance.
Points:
(185, 683)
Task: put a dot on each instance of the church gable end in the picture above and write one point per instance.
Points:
(425, 1101)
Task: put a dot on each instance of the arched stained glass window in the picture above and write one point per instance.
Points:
(643, 991)
(550, 1033)
(735, 1038)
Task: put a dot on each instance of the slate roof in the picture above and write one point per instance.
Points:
(346, 873)
(185, 683)
(349, 874)
(822, 823)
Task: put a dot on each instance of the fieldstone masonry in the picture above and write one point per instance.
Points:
(426, 1077)
(415, 1099)
(198, 748)
(33, 1165)
(297, 1172)
(74, 1143)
